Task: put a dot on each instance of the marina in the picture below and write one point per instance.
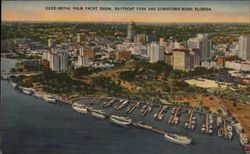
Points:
(63, 118)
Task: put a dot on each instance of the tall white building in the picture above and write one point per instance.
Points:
(244, 47)
(203, 43)
(155, 52)
(58, 60)
(131, 32)
(83, 61)
(181, 59)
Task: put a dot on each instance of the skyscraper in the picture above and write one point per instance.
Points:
(155, 52)
(181, 59)
(58, 60)
(131, 32)
(244, 47)
(203, 44)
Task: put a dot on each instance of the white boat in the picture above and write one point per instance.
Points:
(13, 85)
(38, 94)
(238, 128)
(27, 91)
(220, 131)
(81, 108)
(229, 128)
(98, 114)
(178, 139)
(120, 120)
(49, 98)
(243, 139)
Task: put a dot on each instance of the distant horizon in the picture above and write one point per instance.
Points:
(38, 21)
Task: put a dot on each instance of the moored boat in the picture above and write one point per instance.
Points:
(38, 94)
(120, 120)
(178, 139)
(98, 114)
(81, 108)
(243, 139)
(49, 98)
(27, 91)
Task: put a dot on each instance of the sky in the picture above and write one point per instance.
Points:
(221, 11)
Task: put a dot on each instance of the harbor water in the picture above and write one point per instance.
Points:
(32, 126)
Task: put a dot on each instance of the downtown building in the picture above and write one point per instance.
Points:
(51, 42)
(131, 35)
(87, 52)
(155, 52)
(181, 59)
(123, 55)
(244, 47)
(203, 43)
(58, 60)
(186, 59)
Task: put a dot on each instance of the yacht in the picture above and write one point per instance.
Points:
(38, 94)
(243, 139)
(13, 85)
(81, 108)
(178, 139)
(49, 98)
(27, 91)
(98, 114)
(120, 120)
(220, 131)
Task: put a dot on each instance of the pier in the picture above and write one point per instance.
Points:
(148, 109)
(121, 105)
(174, 119)
(150, 128)
(110, 103)
(96, 101)
(225, 128)
(190, 121)
(207, 123)
(133, 107)
(159, 115)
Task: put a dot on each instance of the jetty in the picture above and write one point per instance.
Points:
(133, 107)
(110, 103)
(145, 111)
(159, 115)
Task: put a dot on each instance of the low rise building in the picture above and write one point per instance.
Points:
(123, 55)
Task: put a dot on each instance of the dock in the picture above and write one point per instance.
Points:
(190, 121)
(207, 123)
(133, 107)
(175, 118)
(95, 101)
(225, 128)
(110, 103)
(159, 115)
(148, 109)
(121, 105)
(148, 128)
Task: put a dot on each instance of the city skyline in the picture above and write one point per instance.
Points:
(223, 11)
